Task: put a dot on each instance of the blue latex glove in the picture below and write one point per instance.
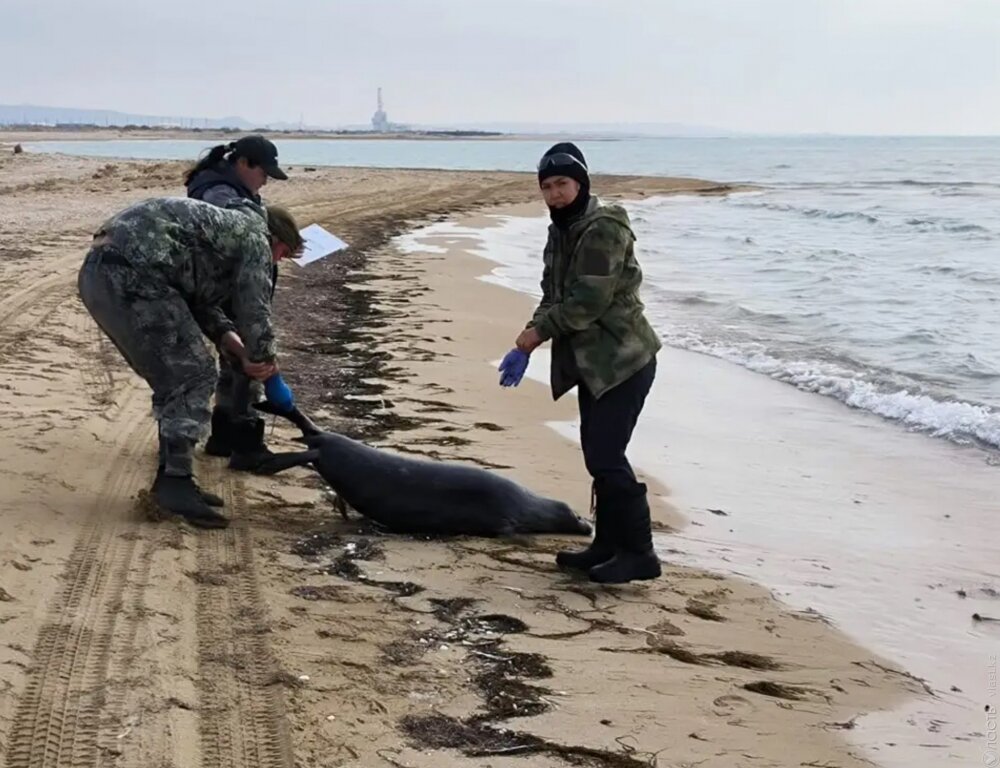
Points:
(278, 393)
(512, 368)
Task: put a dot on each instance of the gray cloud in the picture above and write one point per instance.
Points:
(881, 66)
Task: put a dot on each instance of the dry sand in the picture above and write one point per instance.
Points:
(298, 638)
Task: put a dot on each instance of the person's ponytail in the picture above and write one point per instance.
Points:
(215, 155)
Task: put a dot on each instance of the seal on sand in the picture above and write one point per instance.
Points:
(417, 496)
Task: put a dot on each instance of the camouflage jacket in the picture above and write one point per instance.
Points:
(221, 186)
(590, 305)
(209, 255)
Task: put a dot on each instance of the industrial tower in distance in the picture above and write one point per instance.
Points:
(380, 120)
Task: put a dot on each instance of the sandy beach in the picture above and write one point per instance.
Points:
(299, 638)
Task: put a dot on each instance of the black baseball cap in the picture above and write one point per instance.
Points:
(262, 152)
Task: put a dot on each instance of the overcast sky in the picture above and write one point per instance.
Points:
(852, 66)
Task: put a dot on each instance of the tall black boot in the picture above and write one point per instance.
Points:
(220, 441)
(602, 548)
(249, 451)
(175, 490)
(634, 557)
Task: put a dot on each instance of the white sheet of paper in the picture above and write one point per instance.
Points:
(319, 244)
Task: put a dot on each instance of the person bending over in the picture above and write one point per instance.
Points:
(154, 280)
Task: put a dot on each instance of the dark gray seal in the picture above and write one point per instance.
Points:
(408, 495)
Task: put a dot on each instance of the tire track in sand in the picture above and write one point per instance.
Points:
(22, 314)
(29, 289)
(243, 722)
(58, 718)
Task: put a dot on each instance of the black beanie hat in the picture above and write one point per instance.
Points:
(556, 162)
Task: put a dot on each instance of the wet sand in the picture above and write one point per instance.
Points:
(296, 637)
(836, 511)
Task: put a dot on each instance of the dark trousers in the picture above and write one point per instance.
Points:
(606, 426)
(235, 392)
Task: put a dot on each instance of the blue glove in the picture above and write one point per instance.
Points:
(278, 393)
(512, 368)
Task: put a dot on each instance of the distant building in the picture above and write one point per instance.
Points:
(380, 120)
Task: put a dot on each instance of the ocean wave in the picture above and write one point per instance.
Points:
(945, 184)
(724, 308)
(942, 188)
(930, 224)
(953, 190)
(936, 224)
(960, 273)
(812, 213)
(838, 255)
(961, 422)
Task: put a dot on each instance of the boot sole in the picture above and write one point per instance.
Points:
(205, 524)
(585, 565)
(650, 576)
(643, 571)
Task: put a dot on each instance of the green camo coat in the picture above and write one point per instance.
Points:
(209, 255)
(590, 305)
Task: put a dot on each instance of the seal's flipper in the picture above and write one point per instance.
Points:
(295, 416)
(282, 461)
(265, 407)
(313, 441)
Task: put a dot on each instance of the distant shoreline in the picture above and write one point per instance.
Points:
(91, 133)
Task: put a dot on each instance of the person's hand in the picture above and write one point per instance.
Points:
(259, 371)
(232, 345)
(528, 340)
(512, 368)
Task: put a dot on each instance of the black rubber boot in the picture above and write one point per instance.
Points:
(634, 558)
(602, 548)
(180, 496)
(220, 442)
(249, 452)
(175, 490)
(210, 498)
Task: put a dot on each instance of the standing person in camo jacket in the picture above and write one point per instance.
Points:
(231, 172)
(603, 345)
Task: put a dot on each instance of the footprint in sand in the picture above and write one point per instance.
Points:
(732, 705)
(663, 629)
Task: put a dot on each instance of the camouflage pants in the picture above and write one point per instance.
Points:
(152, 327)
